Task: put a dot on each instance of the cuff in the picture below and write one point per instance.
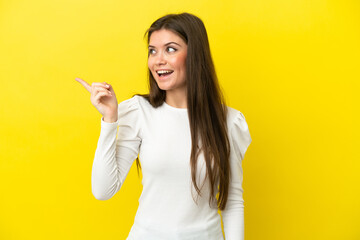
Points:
(107, 125)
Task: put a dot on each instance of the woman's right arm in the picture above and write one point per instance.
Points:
(116, 150)
(119, 140)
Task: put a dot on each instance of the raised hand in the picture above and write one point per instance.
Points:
(103, 98)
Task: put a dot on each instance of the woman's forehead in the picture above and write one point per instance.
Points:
(164, 36)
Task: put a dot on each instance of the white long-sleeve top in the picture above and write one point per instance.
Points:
(169, 207)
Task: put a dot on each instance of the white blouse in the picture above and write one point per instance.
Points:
(169, 207)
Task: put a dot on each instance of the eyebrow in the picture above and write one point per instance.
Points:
(166, 44)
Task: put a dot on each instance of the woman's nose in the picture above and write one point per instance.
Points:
(160, 59)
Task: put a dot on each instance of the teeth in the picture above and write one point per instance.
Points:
(163, 71)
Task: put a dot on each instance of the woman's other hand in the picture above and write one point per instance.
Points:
(103, 98)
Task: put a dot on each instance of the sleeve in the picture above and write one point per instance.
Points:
(117, 148)
(233, 214)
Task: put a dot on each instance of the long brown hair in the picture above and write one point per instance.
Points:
(205, 103)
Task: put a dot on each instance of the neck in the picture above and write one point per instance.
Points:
(176, 99)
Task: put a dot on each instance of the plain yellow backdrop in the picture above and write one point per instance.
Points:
(290, 66)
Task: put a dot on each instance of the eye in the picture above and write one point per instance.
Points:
(171, 49)
(152, 51)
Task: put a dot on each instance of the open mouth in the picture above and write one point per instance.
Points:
(164, 73)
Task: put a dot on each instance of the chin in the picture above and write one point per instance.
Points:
(164, 88)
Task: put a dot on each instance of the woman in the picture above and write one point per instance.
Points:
(190, 144)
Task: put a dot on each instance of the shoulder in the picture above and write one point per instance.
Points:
(135, 108)
(235, 117)
(239, 133)
(135, 102)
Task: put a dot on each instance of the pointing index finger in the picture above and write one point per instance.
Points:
(85, 84)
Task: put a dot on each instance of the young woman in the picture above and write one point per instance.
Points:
(189, 143)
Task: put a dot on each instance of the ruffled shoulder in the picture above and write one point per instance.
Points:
(239, 134)
(128, 106)
(129, 119)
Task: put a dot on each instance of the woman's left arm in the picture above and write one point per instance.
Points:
(233, 214)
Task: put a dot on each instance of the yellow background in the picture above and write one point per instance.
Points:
(291, 66)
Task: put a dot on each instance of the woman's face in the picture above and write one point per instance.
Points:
(167, 60)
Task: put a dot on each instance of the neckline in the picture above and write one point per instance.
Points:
(175, 108)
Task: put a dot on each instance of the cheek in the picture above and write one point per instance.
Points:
(150, 65)
(181, 62)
